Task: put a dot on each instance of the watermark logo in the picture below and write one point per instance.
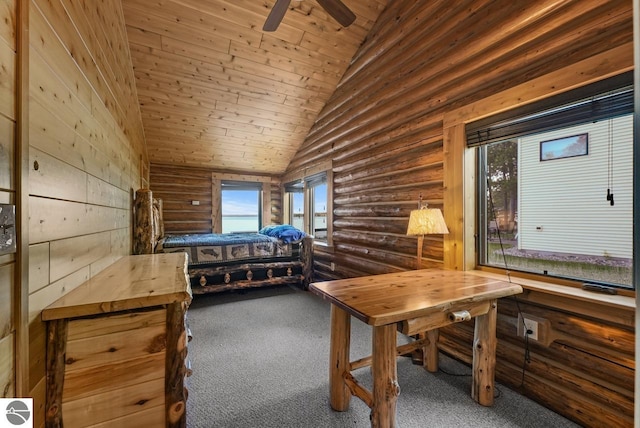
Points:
(16, 412)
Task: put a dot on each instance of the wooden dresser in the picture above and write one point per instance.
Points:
(117, 346)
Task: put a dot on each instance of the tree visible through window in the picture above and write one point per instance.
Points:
(502, 167)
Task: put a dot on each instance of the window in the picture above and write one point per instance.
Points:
(297, 209)
(555, 186)
(241, 206)
(317, 186)
(294, 204)
(307, 206)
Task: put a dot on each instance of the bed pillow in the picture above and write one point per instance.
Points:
(284, 232)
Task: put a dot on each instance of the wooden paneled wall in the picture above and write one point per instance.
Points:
(87, 154)
(383, 130)
(8, 267)
(179, 187)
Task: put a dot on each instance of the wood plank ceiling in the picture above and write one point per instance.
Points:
(218, 92)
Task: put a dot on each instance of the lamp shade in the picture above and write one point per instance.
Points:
(425, 221)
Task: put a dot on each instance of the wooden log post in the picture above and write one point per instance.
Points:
(484, 356)
(143, 231)
(56, 351)
(385, 377)
(158, 217)
(306, 257)
(175, 360)
(340, 394)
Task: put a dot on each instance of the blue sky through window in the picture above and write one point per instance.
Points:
(298, 203)
(246, 202)
(320, 196)
(240, 202)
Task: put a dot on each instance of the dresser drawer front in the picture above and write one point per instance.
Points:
(115, 368)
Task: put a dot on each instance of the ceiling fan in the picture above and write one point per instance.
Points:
(338, 10)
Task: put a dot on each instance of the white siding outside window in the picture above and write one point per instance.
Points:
(562, 204)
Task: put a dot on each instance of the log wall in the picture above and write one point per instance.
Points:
(178, 187)
(384, 130)
(383, 126)
(582, 368)
(8, 60)
(87, 154)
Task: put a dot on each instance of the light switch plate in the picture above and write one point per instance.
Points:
(7, 229)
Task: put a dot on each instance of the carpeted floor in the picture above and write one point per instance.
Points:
(260, 359)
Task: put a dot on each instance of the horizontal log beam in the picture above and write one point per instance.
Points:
(283, 280)
(423, 174)
(432, 190)
(196, 271)
(390, 161)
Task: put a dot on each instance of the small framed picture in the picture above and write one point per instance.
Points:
(565, 147)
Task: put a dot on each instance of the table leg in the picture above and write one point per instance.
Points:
(339, 358)
(484, 356)
(385, 377)
(430, 351)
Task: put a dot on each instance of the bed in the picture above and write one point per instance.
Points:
(278, 254)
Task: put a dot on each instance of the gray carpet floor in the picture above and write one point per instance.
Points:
(260, 359)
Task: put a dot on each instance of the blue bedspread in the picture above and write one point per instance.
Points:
(214, 239)
(213, 248)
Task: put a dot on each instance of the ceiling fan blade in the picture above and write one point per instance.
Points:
(339, 11)
(276, 15)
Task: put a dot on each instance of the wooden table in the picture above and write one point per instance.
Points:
(415, 303)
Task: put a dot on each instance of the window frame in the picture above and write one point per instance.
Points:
(307, 181)
(605, 100)
(459, 165)
(266, 199)
(234, 185)
(289, 206)
(312, 184)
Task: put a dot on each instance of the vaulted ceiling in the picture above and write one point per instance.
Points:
(217, 91)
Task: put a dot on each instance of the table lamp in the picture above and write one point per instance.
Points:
(425, 221)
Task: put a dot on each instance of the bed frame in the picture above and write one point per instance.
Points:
(149, 229)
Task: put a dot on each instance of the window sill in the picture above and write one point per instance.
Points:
(613, 308)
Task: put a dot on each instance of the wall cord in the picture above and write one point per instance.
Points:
(527, 352)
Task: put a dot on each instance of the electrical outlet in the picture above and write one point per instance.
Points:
(531, 328)
(541, 330)
(333, 266)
